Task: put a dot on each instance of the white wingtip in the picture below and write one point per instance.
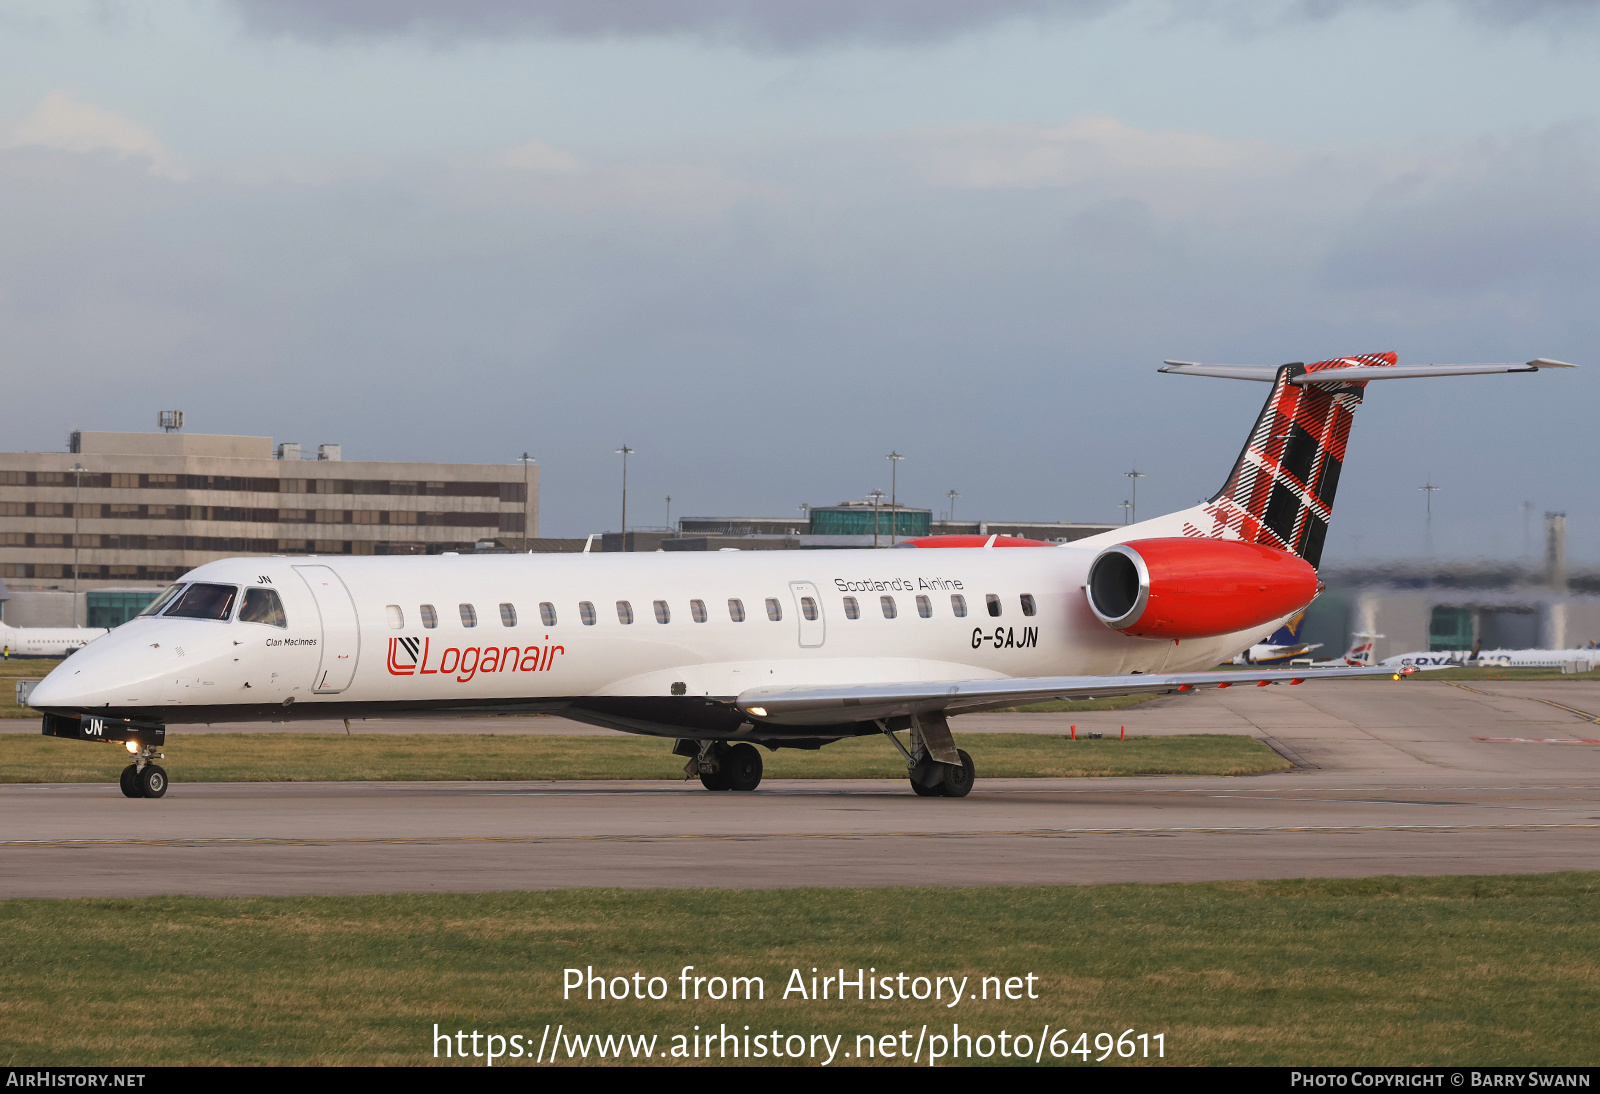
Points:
(1545, 362)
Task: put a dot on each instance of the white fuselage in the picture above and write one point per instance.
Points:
(356, 638)
(46, 641)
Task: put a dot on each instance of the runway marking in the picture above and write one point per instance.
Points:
(1584, 714)
(311, 841)
(1541, 740)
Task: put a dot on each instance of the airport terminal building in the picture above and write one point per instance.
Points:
(133, 511)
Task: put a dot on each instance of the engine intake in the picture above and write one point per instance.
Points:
(1196, 588)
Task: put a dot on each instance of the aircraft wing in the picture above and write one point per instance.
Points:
(860, 703)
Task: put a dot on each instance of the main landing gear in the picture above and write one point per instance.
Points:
(935, 766)
(722, 766)
(143, 779)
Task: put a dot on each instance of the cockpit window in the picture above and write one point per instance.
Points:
(203, 601)
(163, 600)
(262, 606)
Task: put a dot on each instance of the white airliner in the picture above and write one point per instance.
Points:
(1359, 654)
(46, 641)
(1511, 659)
(722, 651)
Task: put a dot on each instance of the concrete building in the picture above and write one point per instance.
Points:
(848, 524)
(1428, 604)
(146, 507)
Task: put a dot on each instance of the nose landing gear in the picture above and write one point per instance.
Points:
(143, 779)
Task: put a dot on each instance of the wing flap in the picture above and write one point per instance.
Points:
(860, 703)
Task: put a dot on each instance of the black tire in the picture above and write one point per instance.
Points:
(130, 783)
(957, 782)
(153, 781)
(927, 791)
(718, 779)
(741, 767)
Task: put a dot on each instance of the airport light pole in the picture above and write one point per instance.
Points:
(1427, 527)
(1125, 508)
(669, 514)
(527, 529)
(1527, 529)
(952, 495)
(1133, 504)
(624, 452)
(894, 459)
(876, 496)
(77, 517)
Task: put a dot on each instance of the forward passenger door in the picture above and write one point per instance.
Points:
(341, 636)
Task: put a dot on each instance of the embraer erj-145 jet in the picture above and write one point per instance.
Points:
(723, 651)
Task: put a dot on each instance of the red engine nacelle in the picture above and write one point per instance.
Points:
(1196, 588)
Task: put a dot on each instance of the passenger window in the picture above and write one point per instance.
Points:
(994, 604)
(808, 608)
(663, 613)
(397, 618)
(469, 615)
(958, 604)
(204, 601)
(586, 613)
(624, 612)
(924, 607)
(736, 610)
(547, 613)
(508, 615)
(852, 608)
(1028, 607)
(774, 609)
(163, 600)
(263, 606)
(697, 608)
(889, 611)
(430, 618)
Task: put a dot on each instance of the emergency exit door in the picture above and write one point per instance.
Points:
(341, 636)
(808, 609)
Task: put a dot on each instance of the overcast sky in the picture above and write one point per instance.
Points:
(764, 242)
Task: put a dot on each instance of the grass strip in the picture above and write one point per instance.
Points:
(331, 757)
(1375, 971)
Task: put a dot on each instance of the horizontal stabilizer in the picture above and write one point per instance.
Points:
(1267, 373)
(860, 703)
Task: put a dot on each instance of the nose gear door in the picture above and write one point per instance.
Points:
(808, 609)
(341, 636)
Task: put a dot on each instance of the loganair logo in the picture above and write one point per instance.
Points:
(412, 657)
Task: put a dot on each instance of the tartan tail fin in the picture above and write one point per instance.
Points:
(1281, 490)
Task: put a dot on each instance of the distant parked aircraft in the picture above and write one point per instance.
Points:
(1280, 647)
(46, 641)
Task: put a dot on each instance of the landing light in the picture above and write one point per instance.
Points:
(761, 712)
(133, 746)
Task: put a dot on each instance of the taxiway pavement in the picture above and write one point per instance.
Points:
(1419, 777)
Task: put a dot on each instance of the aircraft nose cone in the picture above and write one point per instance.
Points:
(54, 691)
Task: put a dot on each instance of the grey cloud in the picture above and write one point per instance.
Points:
(1502, 217)
(780, 24)
(765, 348)
(796, 25)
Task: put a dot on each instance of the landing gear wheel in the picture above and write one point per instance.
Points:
(152, 781)
(741, 767)
(958, 781)
(718, 779)
(926, 791)
(130, 782)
